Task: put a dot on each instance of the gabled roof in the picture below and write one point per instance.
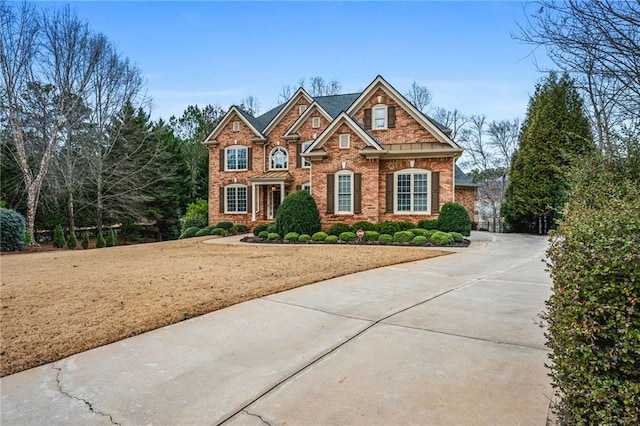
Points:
(303, 117)
(436, 129)
(248, 119)
(335, 104)
(283, 110)
(343, 118)
(461, 179)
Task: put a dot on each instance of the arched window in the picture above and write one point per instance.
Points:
(278, 159)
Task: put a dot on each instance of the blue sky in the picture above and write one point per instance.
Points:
(222, 52)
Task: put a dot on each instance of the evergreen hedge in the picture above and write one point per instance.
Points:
(12, 230)
(364, 225)
(72, 241)
(85, 240)
(338, 228)
(347, 236)
(454, 217)
(259, 228)
(58, 237)
(100, 242)
(298, 213)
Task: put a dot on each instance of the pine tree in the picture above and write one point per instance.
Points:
(85, 240)
(72, 242)
(100, 243)
(58, 237)
(555, 133)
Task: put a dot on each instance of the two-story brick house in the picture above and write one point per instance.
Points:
(363, 156)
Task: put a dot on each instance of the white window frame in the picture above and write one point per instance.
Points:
(301, 109)
(286, 158)
(337, 192)
(306, 163)
(412, 173)
(344, 141)
(235, 126)
(226, 157)
(315, 122)
(379, 107)
(236, 187)
(306, 187)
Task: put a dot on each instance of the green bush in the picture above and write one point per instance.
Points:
(454, 218)
(58, 237)
(238, 229)
(224, 225)
(402, 237)
(440, 238)
(371, 236)
(271, 228)
(85, 240)
(298, 213)
(406, 225)
(457, 237)
(331, 239)
(419, 240)
(428, 224)
(72, 242)
(418, 231)
(259, 228)
(347, 236)
(430, 232)
(264, 234)
(27, 237)
(203, 232)
(304, 238)
(218, 231)
(389, 227)
(197, 215)
(385, 239)
(364, 225)
(338, 228)
(112, 239)
(12, 230)
(593, 314)
(273, 236)
(190, 232)
(319, 236)
(100, 242)
(292, 236)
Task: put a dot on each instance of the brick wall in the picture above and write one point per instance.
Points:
(467, 197)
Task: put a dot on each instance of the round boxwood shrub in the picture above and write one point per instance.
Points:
(457, 237)
(347, 236)
(190, 232)
(85, 240)
(419, 240)
(428, 224)
(304, 238)
(58, 237)
(12, 230)
(273, 236)
(292, 236)
(338, 228)
(364, 225)
(371, 235)
(454, 218)
(264, 234)
(218, 231)
(319, 236)
(385, 239)
(440, 238)
(100, 242)
(430, 232)
(259, 228)
(271, 228)
(224, 225)
(406, 225)
(298, 213)
(389, 227)
(402, 237)
(72, 242)
(418, 231)
(331, 239)
(203, 232)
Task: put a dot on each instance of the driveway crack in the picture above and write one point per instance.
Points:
(256, 415)
(87, 403)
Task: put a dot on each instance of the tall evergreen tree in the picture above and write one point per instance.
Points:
(555, 133)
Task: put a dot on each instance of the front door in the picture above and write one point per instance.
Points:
(273, 202)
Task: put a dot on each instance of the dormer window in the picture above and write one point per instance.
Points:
(236, 126)
(380, 117)
(315, 122)
(278, 159)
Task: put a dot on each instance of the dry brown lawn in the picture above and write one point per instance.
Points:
(58, 303)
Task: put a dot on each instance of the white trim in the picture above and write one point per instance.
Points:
(236, 148)
(336, 201)
(380, 107)
(225, 120)
(304, 162)
(246, 200)
(315, 122)
(301, 109)
(308, 185)
(285, 109)
(313, 107)
(335, 125)
(411, 172)
(344, 141)
(235, 126)
(286, 158)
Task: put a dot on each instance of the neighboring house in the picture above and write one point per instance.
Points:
(363, 156)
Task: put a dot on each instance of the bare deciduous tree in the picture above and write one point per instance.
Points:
(419, 96)
(251, 105)
(454, 120)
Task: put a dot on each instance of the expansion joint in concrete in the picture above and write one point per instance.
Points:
(84, 401)
(256, 415)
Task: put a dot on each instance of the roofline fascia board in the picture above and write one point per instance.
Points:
(225, 120)
(285, 109)
(330, 130)
(306, 115)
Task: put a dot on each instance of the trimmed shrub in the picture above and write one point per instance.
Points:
(218, 231)
(457, 237)
(238, 229)
(364, 225)
(406, 225)
(331, 239)
(12, 230)
(389, 227)
(190, 232)
(224, 225)
(196, 215)
(430, 232)
(298, 213)
(419, 240)
(454, 218)
(72, 242)
(304, 238)
(264, 234)
(112, 239)
(371, 235)
(319, 236)
(100, 242)
(58, 237)
(203, 232)
(292, 236)
(418, 231)
(273, 236)
(271, 228)
(428, 224)
(402, 237)
(338, 228)
(347, 236)
(85, 240)
(440, 238)
(259, 228)
(385, 239)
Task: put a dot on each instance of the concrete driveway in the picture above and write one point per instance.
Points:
(453, 340)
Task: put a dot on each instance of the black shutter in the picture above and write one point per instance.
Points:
(330, 193)
(222, 160)
(221, 199)
(391, 116)
(298, 187)
(249, 158)
(298, 157)
(389, 194)
(357, 193)
(367, 118)
(249, 199)
(435, 192)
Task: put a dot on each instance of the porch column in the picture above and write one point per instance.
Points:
(253, 202)
(281, 192)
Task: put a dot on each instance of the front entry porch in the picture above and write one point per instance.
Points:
(267, 193)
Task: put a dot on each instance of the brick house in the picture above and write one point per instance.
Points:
(363, 156)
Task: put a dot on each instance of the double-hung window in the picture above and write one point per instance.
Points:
(380, 117)
(412, 191)
(236, 158)
(344, 192)
(236, 199)
(305, 161)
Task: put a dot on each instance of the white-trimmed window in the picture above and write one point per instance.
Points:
(344, 192)
(236, 126)
(305, 161)
(344, 141)
(278, 159)
(301, 109)
(306, 187)
(379, 113)
(235, 198)
(235, 157)
(315, 122)
(412, 189)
